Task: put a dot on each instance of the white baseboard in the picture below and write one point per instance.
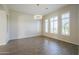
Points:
(62, 40)
(5, 42)
(25, 36)
(28, 36)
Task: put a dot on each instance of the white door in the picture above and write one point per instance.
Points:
(3, 27)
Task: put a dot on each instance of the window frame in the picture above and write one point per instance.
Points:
(67, 18)
(46, 25)
(54, 21)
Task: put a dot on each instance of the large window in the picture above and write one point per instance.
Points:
(54, 25)
(46, 25)
(66, 24)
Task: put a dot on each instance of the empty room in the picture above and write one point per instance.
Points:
(39, 29)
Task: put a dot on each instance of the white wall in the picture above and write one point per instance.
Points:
(17, 25)
(73, 38)
(3, 26)
(23, 25)
(27, 26)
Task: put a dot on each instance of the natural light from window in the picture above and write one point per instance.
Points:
(66, 24)
(54, 25)
(46, 25)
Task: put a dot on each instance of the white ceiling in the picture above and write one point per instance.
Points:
(34, 9)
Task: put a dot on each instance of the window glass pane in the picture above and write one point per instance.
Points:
(51, 25)
(65, 24)
(55, 18)
(66, 15)
(46, 25)
(54, 24)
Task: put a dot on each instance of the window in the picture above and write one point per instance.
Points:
(46, 25)
(65, 24)
(54, 25)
